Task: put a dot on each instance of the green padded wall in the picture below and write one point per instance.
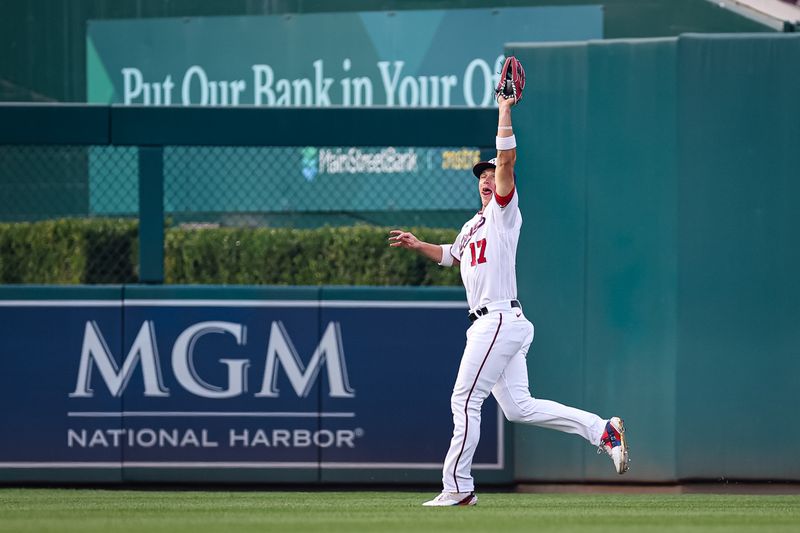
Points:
(630, 259)
(597, 137)
(550, 125)
(739, 257)
(658, 258)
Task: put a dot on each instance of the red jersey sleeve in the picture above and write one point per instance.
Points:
(503, 201)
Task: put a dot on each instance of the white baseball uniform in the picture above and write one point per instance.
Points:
(497, 343)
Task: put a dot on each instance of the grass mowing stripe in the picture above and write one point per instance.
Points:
(88, 511)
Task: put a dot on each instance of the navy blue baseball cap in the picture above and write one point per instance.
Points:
(483, 165)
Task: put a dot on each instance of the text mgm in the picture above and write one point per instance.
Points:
(280, 352)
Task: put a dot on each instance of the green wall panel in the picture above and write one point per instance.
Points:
(630, 257)
(550, 126)
(739, 294)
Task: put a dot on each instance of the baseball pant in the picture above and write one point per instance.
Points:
(494, 361)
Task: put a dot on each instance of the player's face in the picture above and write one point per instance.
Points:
(486, 186)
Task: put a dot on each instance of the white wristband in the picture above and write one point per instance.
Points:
(506, 143)
(447, 259)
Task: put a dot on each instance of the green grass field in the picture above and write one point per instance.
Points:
(87, 511)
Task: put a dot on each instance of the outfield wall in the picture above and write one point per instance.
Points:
(659, 255)
(234, 384)
(658, 259)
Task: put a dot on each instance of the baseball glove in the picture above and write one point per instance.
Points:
(512, 80)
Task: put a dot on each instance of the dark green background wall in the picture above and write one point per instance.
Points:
(659, 253)
(43, 42)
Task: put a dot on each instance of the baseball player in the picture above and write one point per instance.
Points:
(500, 336)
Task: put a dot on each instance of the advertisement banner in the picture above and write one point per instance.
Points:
(325, 179)
(436, 58)
(233, 384)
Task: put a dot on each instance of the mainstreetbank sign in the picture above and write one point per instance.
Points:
(405, 58)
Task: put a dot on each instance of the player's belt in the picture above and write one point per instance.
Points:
(485, 310)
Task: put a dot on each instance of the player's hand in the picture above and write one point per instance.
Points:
(505, 102)
(403, 239)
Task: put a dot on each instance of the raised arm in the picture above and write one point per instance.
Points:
(434, 252)
(504, 173)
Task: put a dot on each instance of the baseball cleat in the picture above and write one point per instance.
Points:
(613, 443)
(450, 499)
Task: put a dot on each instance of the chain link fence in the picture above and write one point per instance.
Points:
(69, 214)
(317, 186)
(54, 223)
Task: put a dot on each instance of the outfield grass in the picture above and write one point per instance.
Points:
(87, 511)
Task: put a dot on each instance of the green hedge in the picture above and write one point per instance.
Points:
(106, 251)
(69, 251)
(357, 255)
